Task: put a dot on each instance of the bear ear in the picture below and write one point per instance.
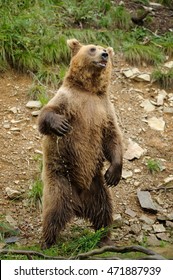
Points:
(110, 52)
(74, 45)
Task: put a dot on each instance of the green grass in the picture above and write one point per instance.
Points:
(33, 35)
(36, 192)
(154, 165)
(136, 54)
(164, 78)
(78, 240)
(6, 230)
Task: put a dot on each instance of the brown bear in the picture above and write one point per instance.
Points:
(81, 132)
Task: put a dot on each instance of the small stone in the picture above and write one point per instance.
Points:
(130, 212)
(146, 201)
(135, 228)
(33, 104)
(170, 216)
(148, 107)
(163, 236)
(146, 227)
(159, 228)
(126, 174)
(147, 220)
(156, 123)
(35, 113)
(152, 240)
(11, 221)
(143, 77)
(130, 73)
(169, 64)
(133, 151)
(169, 224)
(168, 110)
(117, 221)
(168, 179)
(161, 217)
(12, 239)
(14, 129)
(12, 194)
(6, 125)
(160, 98)
(13, 110)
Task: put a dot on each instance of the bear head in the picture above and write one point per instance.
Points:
(92, 56)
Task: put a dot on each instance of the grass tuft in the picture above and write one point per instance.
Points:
(138, 53)
(154, 165)
(163, 77)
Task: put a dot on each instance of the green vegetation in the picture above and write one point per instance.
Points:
(36, 190)
(33, 35)
(163, 78)
(154, 165)
(6, 230)
(78, 240)
(136, 54)
(35, 194)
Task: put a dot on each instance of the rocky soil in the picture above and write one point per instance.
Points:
(143, 208)
(143, 200)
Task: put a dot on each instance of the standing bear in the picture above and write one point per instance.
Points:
(80, 133)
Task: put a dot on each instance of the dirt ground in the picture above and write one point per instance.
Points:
(20, 145)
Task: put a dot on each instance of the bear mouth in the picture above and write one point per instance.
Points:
(100, 64)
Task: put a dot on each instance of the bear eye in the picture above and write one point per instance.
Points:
(92, 50)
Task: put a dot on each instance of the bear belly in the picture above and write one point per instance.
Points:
(81, 156)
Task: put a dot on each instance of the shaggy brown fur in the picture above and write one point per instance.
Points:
(80, 131)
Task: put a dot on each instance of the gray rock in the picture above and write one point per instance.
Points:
(156, 123)
(130, 212)
(133, 151)
(126, 174)
(12, 239)
(146, 201)
(168, 110)
(148, 107)
(33, 104)
(117, 221)
(146, 227)
(35, 113)
(13, 110)
(169, 224)
(143, 77)
(15, 129)
(170, 216)
(130, 73)
(11, 221)
(13, 194)
(163, 236)
(147, 220)
(160, 98)
(169, 64)
(135, 228)
(159, 228)
(161, 218)
(152, 240)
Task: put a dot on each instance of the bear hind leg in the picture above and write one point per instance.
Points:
(98, 207)
(57, 211)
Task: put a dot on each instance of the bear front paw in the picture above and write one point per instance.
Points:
(113, 175)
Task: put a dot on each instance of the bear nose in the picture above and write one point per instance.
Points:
(104, 55)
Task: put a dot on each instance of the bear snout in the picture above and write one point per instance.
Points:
(104, 56)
